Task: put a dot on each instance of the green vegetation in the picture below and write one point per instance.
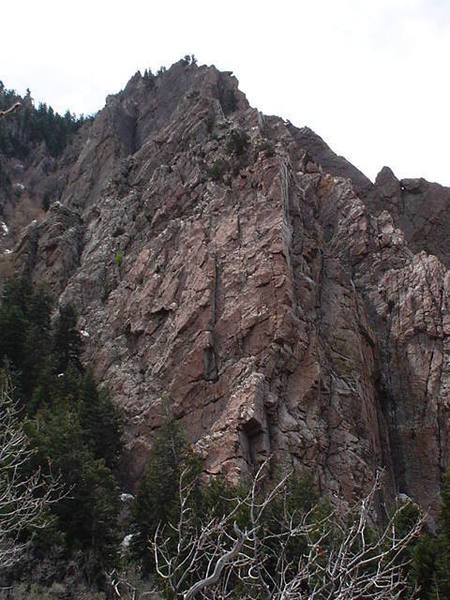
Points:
(157, 500)
(26, 336)
(73, 427)
(118, 258)
(210, 120)
(162, 503)
(149, 78)
(189, 59)
(430, 568)
(87, 516)
(45, 203)
(218, 169)
(30, 126)
(280, 538)
(237, 147)
(25, 494)
(238, 143)
(268, 148)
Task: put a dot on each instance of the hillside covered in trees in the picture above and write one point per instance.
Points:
(31, 126)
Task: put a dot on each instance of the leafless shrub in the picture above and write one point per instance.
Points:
(344, 556)
(11, 109)
(24, 499)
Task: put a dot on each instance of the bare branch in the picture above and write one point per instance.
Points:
(24, 499)
(339, 556)
(220, 564)
(8, 111)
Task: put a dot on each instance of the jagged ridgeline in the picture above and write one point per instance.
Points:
(229, 269)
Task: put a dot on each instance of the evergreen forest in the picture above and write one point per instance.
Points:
(32, 126)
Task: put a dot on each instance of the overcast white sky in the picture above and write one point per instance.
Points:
(370, 76)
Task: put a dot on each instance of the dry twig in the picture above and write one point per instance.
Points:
(10, 110)
(24, 499)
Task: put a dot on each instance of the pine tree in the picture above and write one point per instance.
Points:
(441, 588)
(157, 499)
(431, 554)
(99, 421)
(26, 332)
(73, 427)
(87, 515)
(67, 341)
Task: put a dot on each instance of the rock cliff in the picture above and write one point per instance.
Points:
(232, 269)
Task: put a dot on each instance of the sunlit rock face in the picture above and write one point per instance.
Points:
(231, 269)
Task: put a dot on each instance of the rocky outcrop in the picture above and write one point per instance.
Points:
(419, 208)
(50, 251)
(234, 270)
(322, 154)
(31, 183)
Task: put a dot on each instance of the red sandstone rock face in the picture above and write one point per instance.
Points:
(269, 310)
(419, 208)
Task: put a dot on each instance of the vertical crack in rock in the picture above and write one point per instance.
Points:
(211, 370)
(277, 303)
